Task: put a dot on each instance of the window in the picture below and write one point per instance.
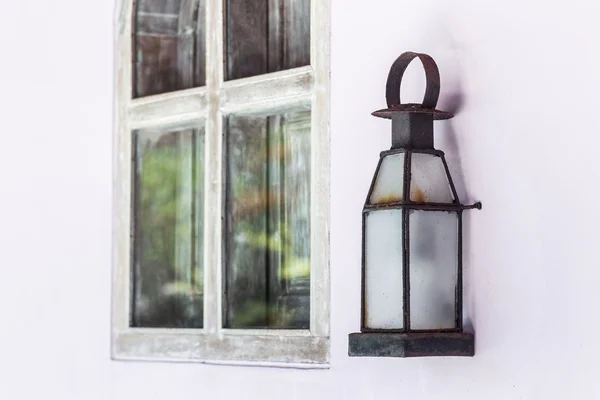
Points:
(222, 181)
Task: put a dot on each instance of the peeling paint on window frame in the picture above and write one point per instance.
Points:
(208, 105)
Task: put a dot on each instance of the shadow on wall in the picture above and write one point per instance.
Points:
(454, 103)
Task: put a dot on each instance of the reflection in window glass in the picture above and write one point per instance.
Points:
(266, 36)
(267, 274)
(169, 49)
(168, 228)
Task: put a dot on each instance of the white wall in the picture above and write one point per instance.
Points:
(522, 76)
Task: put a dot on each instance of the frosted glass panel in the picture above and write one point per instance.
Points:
(383, 274)
(390, 180)
(433, 269)
(429, 182)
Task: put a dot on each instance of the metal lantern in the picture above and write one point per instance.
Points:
(412, 237)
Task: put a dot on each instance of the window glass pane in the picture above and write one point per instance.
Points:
(433, 269)
(266, 36)
(168, 228)
(389, 182)
(168, 47)
(267, 273)
(383, 270)
(429, 182)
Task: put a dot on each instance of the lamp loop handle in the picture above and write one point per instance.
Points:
(432, 75)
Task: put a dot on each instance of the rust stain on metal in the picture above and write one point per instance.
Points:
(388, 199)
(418, 196)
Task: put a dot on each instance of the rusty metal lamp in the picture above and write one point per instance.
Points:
(412, 237)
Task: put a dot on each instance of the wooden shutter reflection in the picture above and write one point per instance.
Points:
(266, 36)
(169, 48)
(246, 295)
(296, 34)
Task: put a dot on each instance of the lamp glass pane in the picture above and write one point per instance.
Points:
(389, 182)
(429, 182)
(383, 270)
(433, 269)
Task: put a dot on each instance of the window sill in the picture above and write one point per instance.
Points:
(223, 348)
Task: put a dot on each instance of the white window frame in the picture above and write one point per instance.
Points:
(208, 105)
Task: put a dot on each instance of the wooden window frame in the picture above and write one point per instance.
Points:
(209, 104)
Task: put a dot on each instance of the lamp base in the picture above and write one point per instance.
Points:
(412, 344)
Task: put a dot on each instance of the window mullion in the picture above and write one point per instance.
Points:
(268, 91)
(320, 142)
(168, 108)
(213, 209)
(122, 193)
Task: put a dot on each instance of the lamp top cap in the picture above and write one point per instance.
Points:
(432, 89)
